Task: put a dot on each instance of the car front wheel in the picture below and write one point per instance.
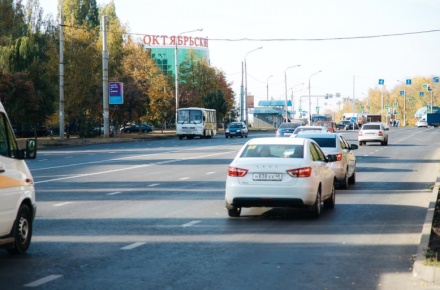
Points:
(22, 231)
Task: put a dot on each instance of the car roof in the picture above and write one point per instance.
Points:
(320, 135)
(276, 140)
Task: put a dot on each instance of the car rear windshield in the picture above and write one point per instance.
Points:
(289, 125)
(325, 142)
(371, 127)
(235, 126)
(273, 151)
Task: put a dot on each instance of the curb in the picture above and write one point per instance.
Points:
(424, 272)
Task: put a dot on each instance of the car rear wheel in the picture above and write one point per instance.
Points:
(316, 208)
(22, 231)
(234, 211)
(331, 201)
(352, 178)
(343, 184)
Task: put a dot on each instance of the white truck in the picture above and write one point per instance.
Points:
(17, 192)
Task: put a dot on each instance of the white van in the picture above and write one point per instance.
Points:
(17, 193)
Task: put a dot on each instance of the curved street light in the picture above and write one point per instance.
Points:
(285, 85)
(267, 86)
(176, 64)
(310, 102)
(245, 74)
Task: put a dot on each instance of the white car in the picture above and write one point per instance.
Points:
(300, 129)
(17, 192)
(280, 172)
(335, 143)
(422, 123)
(373, 132)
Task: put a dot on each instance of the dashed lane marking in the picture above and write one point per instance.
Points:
(190, 223)
(42, 281)
(132, 246)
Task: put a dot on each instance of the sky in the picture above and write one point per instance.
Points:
(331, 36)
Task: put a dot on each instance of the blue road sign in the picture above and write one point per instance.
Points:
(381, 81)
(408, 81)
(402, 93)
(116, 93)
(435, 79)
(422, 94)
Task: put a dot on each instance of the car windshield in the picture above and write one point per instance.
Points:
(235, 126)
(371, 127)
(273, 151)
(325, 142)
(297, 130)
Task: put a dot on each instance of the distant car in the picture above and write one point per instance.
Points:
(286, 129)
(321, 129)
(135, 129)
(347, 125)
(373, 132)
(331, 126)
(280, 172)
(422, 123)
(335, 143)
(237, 129)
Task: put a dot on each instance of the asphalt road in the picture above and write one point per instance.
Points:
(150, 215)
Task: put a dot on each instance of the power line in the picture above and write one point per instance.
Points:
(315, 39)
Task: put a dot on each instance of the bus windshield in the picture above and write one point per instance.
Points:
(190, 116)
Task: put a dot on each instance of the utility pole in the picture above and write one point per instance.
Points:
(105, 77)
(61, 113)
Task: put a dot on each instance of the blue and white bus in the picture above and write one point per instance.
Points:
(192, 122)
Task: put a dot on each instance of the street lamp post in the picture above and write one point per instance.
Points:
(404, 102)
(245, 79)
(267, 87)
(285, 86)
(176, 64)
(310, 101)
(291, 99)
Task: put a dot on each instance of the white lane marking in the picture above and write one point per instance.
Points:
(190, 223)
(130, 157)
(113, 193)
(210, 172)
(42, 159)
(132, 246)
(68, 157)
(126, 168)
(184, 178)
(154, 184)
(61, 204)
(42, 281)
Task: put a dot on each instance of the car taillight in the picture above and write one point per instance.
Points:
(360, 133)
(236, 172)
(278, 134)
(380, 133)
(300, 172)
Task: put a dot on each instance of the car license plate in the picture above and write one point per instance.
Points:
(267, 176)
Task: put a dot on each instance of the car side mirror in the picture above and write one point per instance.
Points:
(354, 147)
(31, 149)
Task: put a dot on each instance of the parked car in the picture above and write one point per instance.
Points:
(331, 126)
(347, 125)
(373, 132)
(335, 143)
(422, 123)
(238, 129)
(280, 172)
(321, 129)
(286, 129)
(135, 129)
